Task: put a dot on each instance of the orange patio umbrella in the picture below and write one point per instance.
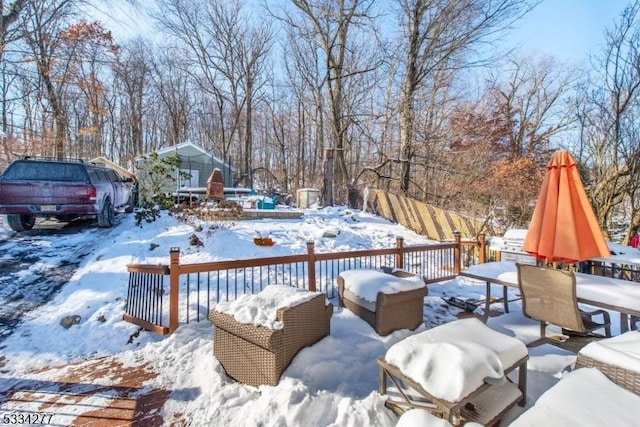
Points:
(563, 227)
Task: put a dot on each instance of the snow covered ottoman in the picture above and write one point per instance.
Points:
(457, 371)
(256, 336)
(387, 300)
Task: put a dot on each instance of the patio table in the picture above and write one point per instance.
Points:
(622, 296)
(456, 371)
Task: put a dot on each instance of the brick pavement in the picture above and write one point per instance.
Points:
(98, 392)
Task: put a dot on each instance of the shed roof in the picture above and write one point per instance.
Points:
(191, 150)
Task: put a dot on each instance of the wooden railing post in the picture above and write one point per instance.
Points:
(482, 248)
(174, 288)
(457, 252)
(400, 253)
(596, 268)
(311, 266)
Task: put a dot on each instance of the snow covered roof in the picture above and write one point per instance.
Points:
(191, 150)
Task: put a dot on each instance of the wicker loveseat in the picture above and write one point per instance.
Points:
(584, 397)
(392, 310)
(618, 358)
(257, 355)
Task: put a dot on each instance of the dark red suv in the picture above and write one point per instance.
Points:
(64, 190)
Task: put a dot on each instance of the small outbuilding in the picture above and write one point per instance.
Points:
(307, 197)
(197, 163)
(195, 167)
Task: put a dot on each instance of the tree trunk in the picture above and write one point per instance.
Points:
(248, 139)
(327, 184)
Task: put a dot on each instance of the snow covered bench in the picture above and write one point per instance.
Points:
(257, 336)
(457, 371)
(387, 300)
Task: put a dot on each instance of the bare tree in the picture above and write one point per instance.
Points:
(438, 35)
(502, 137)
(42, 25)
(88, 49)
(529, 98)
(333, 27)
(9, 33)
(175, 91)
(304, 80)
(227, 58)
(132, 71)
(9, 14)
(608, 119)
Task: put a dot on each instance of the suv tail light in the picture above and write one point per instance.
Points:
(91, 192)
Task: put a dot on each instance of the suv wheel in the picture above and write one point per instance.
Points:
(19, 222)
(105, 217)
(132, 202)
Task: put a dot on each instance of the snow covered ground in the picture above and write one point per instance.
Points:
(333, 383)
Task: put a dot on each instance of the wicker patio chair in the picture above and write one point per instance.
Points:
(549, 296)
(401, 310)
(257, 355)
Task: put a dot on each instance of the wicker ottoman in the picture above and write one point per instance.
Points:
(258, 355)
(388, 301)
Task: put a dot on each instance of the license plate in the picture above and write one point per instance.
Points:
(46, 208)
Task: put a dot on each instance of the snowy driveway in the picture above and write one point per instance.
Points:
(35, 264)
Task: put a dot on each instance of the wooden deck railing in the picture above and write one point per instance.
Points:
(204, 284)
(145, 295)
(619, 270)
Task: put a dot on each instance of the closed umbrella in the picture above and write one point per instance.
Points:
(563, 227)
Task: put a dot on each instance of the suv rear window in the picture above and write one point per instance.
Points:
(45, 171)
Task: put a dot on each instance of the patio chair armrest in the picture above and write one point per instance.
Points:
(402, 274)
(605, 314)
(309, 309)
(400, 297)
(309, 321)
